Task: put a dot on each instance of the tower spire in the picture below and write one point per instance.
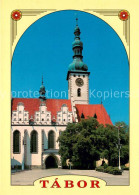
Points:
(76, 21)
(77, 47)
(78, 75)
(42, 91)
(42, 79)
(77, 33)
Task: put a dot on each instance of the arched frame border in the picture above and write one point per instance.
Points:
(103, 14)
(109, 16)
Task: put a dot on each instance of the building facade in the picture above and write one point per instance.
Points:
(38, 122)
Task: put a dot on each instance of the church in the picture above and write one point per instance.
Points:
(37, 123)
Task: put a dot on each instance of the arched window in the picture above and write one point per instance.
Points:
(34, 142)
(79, 92)
(51, 140)
(16, 142)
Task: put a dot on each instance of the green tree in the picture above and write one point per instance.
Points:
(87, 141)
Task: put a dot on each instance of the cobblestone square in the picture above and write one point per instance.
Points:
(28, 177)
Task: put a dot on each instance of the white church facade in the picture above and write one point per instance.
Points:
(37, 123)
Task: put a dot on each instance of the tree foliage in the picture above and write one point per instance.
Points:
(88, 141)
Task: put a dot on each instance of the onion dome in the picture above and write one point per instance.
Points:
(77, 46)
(78, 64)
(42, 87)
(77, 43)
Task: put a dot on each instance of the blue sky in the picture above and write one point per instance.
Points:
(46, 48)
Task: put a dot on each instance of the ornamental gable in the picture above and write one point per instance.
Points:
(64, 116)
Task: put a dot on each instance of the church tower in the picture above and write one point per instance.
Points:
(78, 75)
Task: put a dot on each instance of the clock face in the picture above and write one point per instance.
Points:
(79, 82)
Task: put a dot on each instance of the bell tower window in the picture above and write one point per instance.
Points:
(79, 92)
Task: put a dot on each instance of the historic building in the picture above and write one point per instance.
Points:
(37, 123)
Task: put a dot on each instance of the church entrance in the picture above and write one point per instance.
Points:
(50, 162)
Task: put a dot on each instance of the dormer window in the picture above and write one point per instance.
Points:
(20, 112)
(82, 115)
(42, 112)
(95, 116)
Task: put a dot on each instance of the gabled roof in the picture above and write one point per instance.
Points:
(93, 110)
(54, 105)
(32, 105)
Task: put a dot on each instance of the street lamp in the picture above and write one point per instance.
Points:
(119, 145)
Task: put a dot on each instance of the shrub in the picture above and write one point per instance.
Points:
(27, 167)
(116, 171)
(100, 169)
(105, 165)
(16, 167)
(109, 169)
(125, 168)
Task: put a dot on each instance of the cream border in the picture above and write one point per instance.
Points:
(6, 7)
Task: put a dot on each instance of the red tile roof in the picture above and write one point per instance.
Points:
(54, 105)
(32, 105)
(91, 110)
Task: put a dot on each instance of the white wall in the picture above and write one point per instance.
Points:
(30, 158)
(84, 99)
